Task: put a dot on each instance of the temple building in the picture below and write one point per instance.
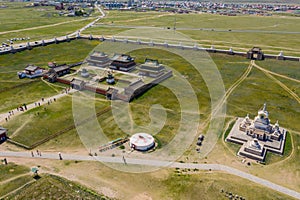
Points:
(257, 136)
(122, 62)
(31, 71)
(255, 54)
(77, 84)
(55, 72)
(84, 73)
(99, 59)
(110, 79)
(151, 68)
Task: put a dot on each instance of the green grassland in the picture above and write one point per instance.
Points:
(55, 187)
(116, 17)
(34, 129)
(16, 16)
(46, 32)
(209, 186)
(10, 170)
(12, 98)
(105, 31)
(22, 185)
(287, 68)
(14, 184)
(175, 184)
(273, 23)
(257, 89)
(170, 183)
(70, 140)
(291, 84)
(271, 42)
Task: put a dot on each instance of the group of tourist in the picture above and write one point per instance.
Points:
(66, 90)
(37, 152)
(23, 107)
(19, 108)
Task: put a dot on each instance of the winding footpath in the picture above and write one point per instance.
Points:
(268, 73)
(160, 163)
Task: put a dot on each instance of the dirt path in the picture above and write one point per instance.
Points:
(230, 90)
(294, 95)
(19, 188)
(44, 26)
(20, 128)
(13, 178)
(276, 74)
(31, 106)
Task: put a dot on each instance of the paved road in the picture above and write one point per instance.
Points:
(90, 24)
(159, 163)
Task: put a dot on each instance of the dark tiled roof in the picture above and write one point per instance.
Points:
(61, 68)
(77, 82)
(122, 58)
(31, 68)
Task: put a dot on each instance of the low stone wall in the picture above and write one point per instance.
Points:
(101, 38)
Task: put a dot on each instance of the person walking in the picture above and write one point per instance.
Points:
(59, 155)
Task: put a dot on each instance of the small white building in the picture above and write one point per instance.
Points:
(141, 141)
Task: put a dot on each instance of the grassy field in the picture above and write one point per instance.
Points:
(287, 68)
(69, 141)
(54, 187)
(14, 97)
(46, 32)
(206, 21)
(47, 186)
(16, 16)
(116, 17)
(14, 176)
(210, 186)
(251, 95)
(105, 31)
(14, 184)
(165, 183)
(271, 42)
(11, 170)
(59, 113)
